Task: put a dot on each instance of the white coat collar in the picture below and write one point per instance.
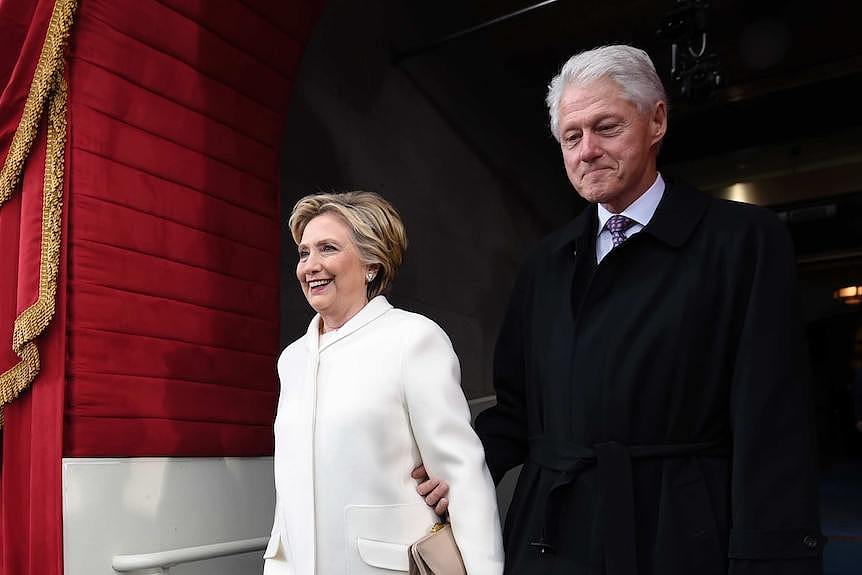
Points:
(372, 310)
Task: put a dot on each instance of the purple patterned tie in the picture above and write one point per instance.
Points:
(617, 225)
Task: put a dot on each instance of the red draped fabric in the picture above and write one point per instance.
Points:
(30, 503)
(166, 326)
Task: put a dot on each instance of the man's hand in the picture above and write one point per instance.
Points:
(433, 490)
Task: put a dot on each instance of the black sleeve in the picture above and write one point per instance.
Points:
(503, 427)
(774, 486)
(857, 393)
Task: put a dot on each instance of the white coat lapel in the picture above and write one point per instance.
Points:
(302, 528)
(301, 522)
(372, 310)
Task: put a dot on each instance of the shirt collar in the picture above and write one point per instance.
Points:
(641, 210)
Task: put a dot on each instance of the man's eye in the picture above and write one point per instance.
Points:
(607, 128)
(572, 139)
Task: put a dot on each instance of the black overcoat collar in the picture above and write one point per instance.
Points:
(676, 217)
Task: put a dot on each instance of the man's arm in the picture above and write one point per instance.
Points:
(774, 492)
(502, 428)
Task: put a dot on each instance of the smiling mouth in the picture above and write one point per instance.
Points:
(314, 284)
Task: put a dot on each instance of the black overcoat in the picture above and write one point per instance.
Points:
(658, 401)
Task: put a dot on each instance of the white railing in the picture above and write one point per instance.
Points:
(486, 400)
(161, 561)
(480, 404)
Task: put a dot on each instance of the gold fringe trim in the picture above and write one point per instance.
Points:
(33, 320)
(49, 71)
(48, 90)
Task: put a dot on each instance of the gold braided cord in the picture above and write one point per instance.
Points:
(33, 320)
(48, 90)
(49, 70)
(20, 376)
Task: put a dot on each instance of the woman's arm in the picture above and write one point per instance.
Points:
(450, 450)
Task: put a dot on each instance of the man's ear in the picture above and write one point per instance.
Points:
(658, 121)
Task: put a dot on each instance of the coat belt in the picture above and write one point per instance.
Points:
(613, 462)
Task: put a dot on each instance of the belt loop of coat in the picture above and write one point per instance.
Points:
(569, 460)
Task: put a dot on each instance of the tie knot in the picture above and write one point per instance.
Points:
(617, 225)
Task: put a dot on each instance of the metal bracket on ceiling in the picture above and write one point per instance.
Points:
(692, 67)
(434, 44)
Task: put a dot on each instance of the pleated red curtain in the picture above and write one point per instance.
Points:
(32, 282)
(165, 329)
(176, 110)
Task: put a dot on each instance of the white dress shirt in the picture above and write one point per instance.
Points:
(641, 211)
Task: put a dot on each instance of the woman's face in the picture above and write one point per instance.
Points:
(330, 271)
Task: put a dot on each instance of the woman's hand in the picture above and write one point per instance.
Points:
(432, 490)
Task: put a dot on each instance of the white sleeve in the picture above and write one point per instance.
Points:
(449, 447)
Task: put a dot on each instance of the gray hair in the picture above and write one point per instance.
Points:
(630, 67)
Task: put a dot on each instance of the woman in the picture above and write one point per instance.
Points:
(367, 394)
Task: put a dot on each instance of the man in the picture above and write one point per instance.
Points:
(645, 370)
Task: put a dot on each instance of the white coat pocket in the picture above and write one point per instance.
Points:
(378, 536)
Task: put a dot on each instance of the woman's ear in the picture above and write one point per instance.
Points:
(371, 272)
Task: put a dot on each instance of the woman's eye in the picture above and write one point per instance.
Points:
(303, 254)
(328, 248)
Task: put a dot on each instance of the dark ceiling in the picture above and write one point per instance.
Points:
(782, 129)
(791, 75)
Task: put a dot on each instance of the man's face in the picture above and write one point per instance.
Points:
(609, 146)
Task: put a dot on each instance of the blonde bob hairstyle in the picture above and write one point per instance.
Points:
(377, 230)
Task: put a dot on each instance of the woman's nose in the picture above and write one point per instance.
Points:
(306, 265)
(311, 263)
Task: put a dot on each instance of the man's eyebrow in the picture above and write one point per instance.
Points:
(605, 116)
(591, 120)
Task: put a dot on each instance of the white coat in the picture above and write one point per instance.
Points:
(355, 416)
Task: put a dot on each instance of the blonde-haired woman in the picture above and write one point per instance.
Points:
(367, 394)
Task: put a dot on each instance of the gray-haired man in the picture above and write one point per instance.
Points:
(646, 371)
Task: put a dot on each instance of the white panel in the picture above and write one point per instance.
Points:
(142, 505)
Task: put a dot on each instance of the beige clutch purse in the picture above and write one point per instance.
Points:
(436, 553)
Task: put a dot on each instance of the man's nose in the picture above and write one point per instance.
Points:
(589, 149)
